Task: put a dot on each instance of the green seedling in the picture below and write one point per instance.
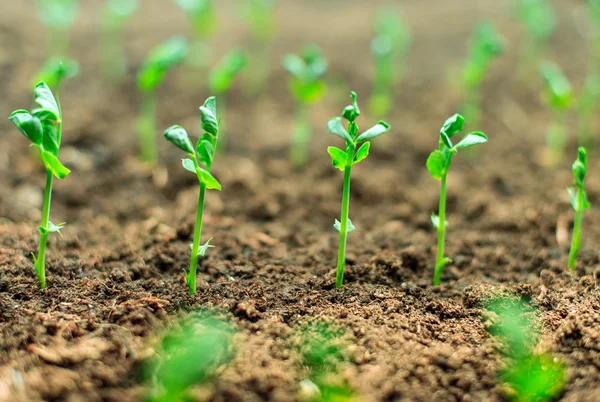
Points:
(559, 97)
(54, 70)
(161, 59)
(389, 47)
(486, 45)
(202, 15)
(531, 377)
(579, 202)
(590, 97)
(307, 86)
(113, 17)
(438, 165)
(539, 21)
(43, 127)
(356, 150)
(199, 162)
(222, 77)
(189, 356)
(260, 17)
(58, 16)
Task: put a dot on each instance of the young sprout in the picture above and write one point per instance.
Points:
(344, 160)
(161, 59)
(389, 47)
(559, 97)
(199, 162)
(221, 78)
(202, 16)
(579, 202)
(590, 97)
(438, 165)
(486, 45)
(43, 127)
(531, 376)
(307, 86)
(58, 16)
(261, 20)
(539, 21)
(113, 17)
(54, 70)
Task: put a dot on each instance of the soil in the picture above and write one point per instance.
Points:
(115, 276)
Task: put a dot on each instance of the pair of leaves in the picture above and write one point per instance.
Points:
(435, 220)
(339, 158)
(222, 76)
(55, 69)
(204, 175)
(335, 127)
(204, 248)
(439, 161)
(162, 59)
(308, 67)
(349, 228)
(52, 228)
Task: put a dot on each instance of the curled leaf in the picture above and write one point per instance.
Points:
(335, 127)
(177, 136)
(380, 128)
(29, 125)
(54, 165)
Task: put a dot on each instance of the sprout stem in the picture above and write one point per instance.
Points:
(147, 127)
(440, 260)
(191, 276)
(300, 140)
(577, 229)
(339, 279)
(40, 262)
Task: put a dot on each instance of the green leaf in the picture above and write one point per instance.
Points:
(48, 108)
(52, 228)
(308, 92)
(294, 64)
(436, 164)
(573, 194)
(362, 153)
(208, 180)
(221, 77)
(453, 125)
(54, 70)
(351, 112)
(162, 59)
(580, 167)
(338, 157)
(471, 139)
(54, 165)
(208, 117)
(380, 128)
(50, 139)
(335, 127)
(349, 229)
(179, 137)
(435, 220)
(204, 248)
(29, 125)
(205, 151)
(189, 165)
(446, 140)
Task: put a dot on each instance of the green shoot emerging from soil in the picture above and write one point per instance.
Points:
(261, 20)
(307, 86)
(486, 45)
(189, 356)
(531, 376)
(438, 165)
(43, 127)
(54, 70)
(344, 160)
(579, 202)
(112, 19)
(559, 97)
(199, 162)
(58, 16)
(389, 47)
(203, 18)
(162, 59)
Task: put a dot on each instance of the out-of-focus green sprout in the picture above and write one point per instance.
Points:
(486, 45)
(324, 350)
(559, 97)
(113, 17)
(389, 47)
(532, 377)
(307, 86)
(202, 15)
(58, 16)
(161, 59)
(189, 356)
(539, 21)
(589, 99)
(579, 202)
(54, 70)
(260, 16)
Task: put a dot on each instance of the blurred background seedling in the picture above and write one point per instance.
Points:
(58, 16)
(113, 17)
(203, 18)
(260, 18)
(54, 70)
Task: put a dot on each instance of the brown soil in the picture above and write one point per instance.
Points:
(115, 277)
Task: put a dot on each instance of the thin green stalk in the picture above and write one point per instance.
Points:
(147, 127)
(300, 140)
(112, 58)
(577, 229)
(40, 262)
(557, 137)
(339, 279)
(58, 42)
(191, 276)
(440, 260)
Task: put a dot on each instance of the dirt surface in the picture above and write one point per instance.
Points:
(115, 277)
